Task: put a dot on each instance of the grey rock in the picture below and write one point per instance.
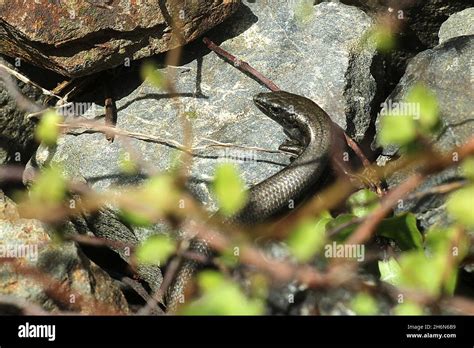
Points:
(63, 263)
(459, 24)
(83, 37)
(322, 57)
(421, 17)
(17, 142)
(446, 71)
(426, 16)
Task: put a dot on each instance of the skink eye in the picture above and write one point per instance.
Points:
(274, 109)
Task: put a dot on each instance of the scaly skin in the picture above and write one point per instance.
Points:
(312, 134)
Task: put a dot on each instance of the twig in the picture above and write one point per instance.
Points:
(242, 65)
(435, 164)
(98, 242)
(22, 102)
(38, 114)
(216, 143)
(365, 162)
(440, 189)
(94, 127)
(26, 80)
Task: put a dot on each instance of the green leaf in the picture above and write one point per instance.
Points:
(158, 196)
(155, 250)
(345, 232)
(403, 230)
(47, 130)
(308, 238)
(363, 202)
(259, 285)
(396, 130)
(151, 74)
(220, 296)
(126, 164)
(161, 193)
(468, 168)
(228, 258)
(460, 206)
(135, 217)
(383, 37)
(421, 96)
(304, 11)
(451, 247)
(364, 304)
(50, 187)
(421, 273)
(229, 189)
(390, 271)
(408, 308)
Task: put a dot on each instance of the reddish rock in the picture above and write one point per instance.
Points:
(77, 38)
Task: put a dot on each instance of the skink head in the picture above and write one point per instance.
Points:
(289, 110)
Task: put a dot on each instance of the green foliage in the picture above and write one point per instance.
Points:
(364, 304)
(155, 250)
(383, 37)
(421, 116)
(434, 272)
(304, 11)
(126, 164)
(420, 95)
(135, 217)
(397, 130)
(157, 197)
(450, 246)
(221, 296)
(228, 258)
(50, 187)
(390, 271)
(460, 205)
(363, 202)
(341, 220)
(229, 190)
(308, 238)
(47, 130)
(421, 273)
(468, 168)
(408, 308)
(403, 230)
(149, 72)
(259, 285)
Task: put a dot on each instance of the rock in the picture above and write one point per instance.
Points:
(459, 24)
(17, 142)
(422, 17)
(80, 38)
(321, 57)
(446, 70)
(426, 17)
(50, 262)
(417, 21)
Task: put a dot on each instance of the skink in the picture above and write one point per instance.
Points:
(311, 136)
